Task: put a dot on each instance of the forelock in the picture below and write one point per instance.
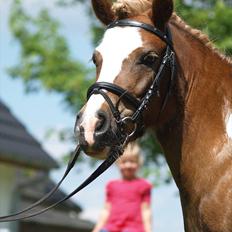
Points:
(129, 8)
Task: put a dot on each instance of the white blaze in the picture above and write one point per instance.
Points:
(117, 44)
(229, 125)
(89, 117)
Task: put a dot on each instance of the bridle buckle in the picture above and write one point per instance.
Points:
(126, 123)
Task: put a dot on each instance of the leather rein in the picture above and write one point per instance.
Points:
(137, 119)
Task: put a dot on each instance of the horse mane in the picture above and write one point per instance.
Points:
(198, 35)
(130, 8)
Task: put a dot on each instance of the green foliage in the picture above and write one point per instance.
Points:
(45, 60)
(212, 17)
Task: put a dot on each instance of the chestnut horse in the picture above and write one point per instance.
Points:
(194, 127)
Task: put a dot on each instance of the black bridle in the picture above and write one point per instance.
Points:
(139, 106)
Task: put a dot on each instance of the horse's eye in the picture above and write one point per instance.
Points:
(149, 59)
(94, 59)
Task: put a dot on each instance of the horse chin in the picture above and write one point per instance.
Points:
(100, 154)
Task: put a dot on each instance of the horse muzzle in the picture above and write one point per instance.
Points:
(95, 134)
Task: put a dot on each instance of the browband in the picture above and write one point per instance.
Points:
(147, 27)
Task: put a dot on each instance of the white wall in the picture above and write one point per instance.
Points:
(7, 195)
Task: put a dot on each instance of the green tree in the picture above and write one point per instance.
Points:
(212, 17)
(45, 60)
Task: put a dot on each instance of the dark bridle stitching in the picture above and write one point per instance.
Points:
(116, 150)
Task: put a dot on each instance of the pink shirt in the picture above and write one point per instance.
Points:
(125, 198)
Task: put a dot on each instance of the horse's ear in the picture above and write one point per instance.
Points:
(161, 12)
(103, 11)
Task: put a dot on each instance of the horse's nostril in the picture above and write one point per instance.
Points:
(103, 123)
(78, 117)
(77, 124)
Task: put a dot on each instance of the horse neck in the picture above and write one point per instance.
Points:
(196, 140)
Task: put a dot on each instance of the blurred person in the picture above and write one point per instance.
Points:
(127, 207)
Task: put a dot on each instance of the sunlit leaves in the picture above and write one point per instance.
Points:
(45, 59)
(211, 16)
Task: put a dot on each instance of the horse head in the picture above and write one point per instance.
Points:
(128, 57)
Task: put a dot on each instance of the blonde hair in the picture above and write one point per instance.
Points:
(126, 8)
(133, 150)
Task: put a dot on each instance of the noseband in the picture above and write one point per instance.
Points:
(139, 105)
(136, 119)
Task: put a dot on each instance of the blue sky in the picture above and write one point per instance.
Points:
(44, 110)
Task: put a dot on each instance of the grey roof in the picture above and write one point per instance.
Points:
(18, 146)
(65, 215)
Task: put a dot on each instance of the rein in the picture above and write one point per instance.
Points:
(136, 119)
(114, 154)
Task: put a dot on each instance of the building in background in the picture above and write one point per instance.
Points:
(24, 179)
